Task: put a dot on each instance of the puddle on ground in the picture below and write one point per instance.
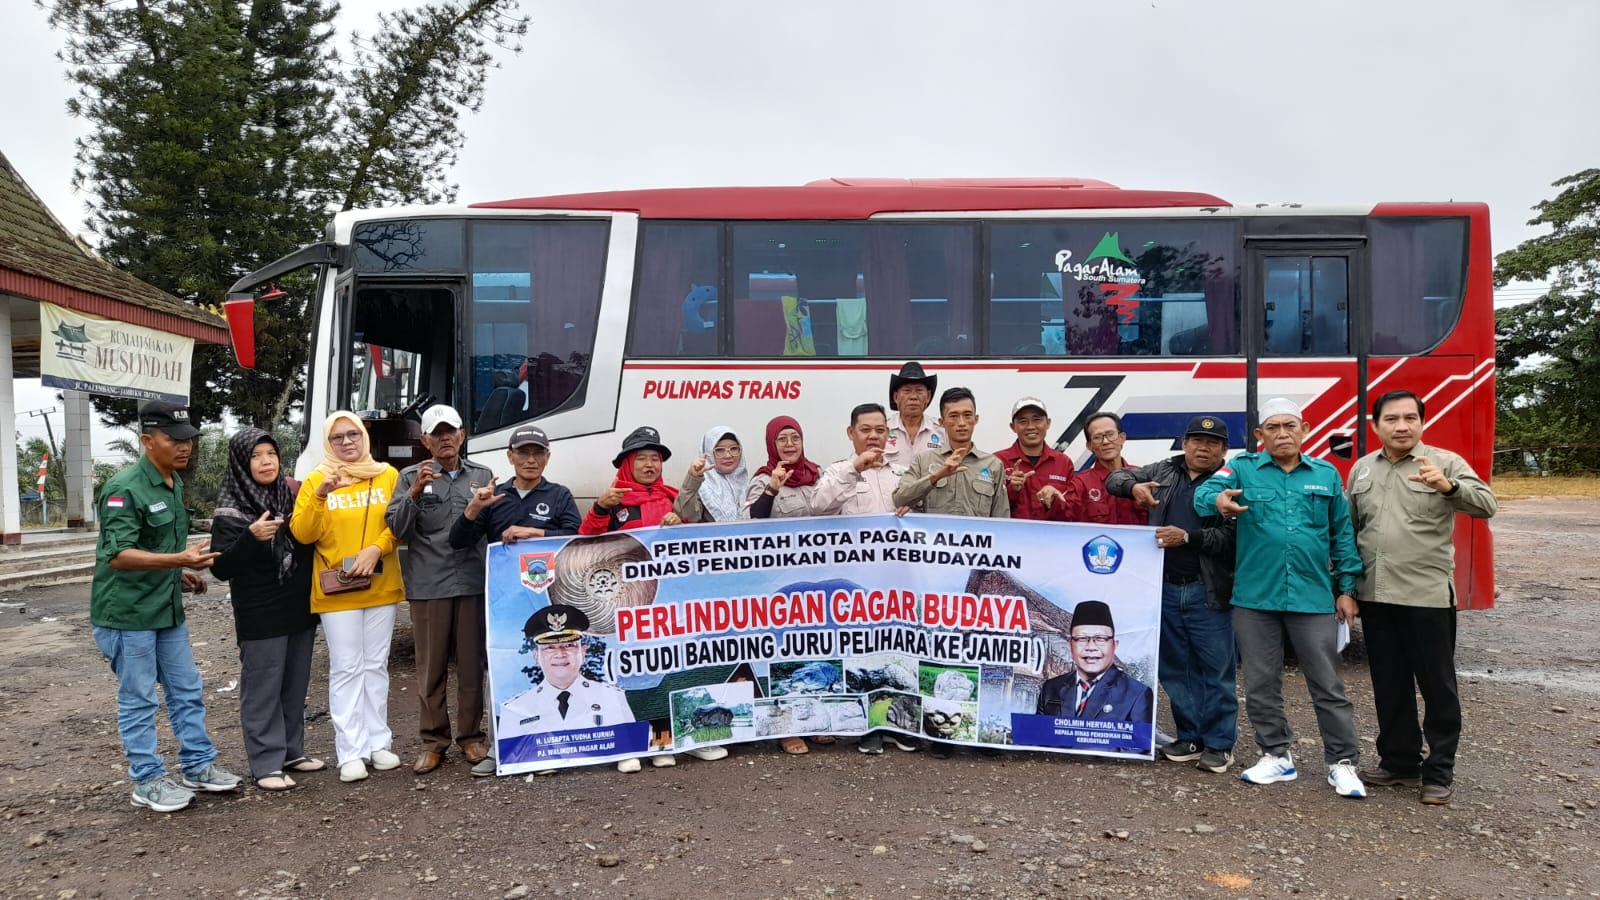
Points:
(1579, 682)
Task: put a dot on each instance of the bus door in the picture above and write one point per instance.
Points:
(1304, 336)
(402, 354)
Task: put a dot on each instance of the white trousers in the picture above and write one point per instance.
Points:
(358, 679)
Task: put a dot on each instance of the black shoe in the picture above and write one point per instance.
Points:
(941, 750)
(1378, 776)
(1182, 751)
(871, 743)
(1216, 761)
(904, 741)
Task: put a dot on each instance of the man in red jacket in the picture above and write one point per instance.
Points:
(1087, 499)
(1036, 473)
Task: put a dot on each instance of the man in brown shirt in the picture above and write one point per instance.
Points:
(1404, 499)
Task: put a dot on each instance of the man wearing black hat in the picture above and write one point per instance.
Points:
(1197, 655)
(910, 394)
(565, 698)
(1096, 688)
(136, 609)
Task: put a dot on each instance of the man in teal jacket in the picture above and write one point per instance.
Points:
(1297, 573)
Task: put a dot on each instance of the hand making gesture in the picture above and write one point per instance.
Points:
(482, 499)
(1432, 476)
(951, 466)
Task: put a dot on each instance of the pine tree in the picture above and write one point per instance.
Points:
(226, 133)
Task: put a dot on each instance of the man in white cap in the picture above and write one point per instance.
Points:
(444, 585)
(1036, 473)
(1297, 573)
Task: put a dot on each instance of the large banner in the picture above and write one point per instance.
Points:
(81, 352)
(955, 629)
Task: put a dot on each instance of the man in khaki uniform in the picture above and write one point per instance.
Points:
(1403, 500)
(957, 479)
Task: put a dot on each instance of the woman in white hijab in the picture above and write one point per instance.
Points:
(714, 488)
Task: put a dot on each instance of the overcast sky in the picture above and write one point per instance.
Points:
(1250, 100)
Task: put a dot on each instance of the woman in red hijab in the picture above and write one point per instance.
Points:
(783, 487)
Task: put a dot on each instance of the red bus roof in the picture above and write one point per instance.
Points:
(860, 198)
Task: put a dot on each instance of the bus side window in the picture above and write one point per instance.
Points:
(678, 310)
(851, 289)
(535, 303)
(1113, 288)
(1418, 277)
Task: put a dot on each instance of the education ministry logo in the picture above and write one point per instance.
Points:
(538, 570)
(1102, 555)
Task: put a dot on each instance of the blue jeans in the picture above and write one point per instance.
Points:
(142, 659)
(1197, 667)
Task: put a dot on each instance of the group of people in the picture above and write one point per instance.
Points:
(1268, 544)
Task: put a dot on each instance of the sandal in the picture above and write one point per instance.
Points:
(276, 781)
(305, 764)
(822, 739)
(794, 746)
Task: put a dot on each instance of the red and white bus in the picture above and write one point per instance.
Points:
(687, 308)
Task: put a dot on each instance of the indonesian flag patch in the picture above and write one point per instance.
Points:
(114, 502)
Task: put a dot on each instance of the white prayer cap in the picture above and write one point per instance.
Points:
(1280, 406)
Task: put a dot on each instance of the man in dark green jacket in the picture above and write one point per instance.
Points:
(1297, 573)
(136, 608)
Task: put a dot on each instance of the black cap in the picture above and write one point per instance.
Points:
(529, 434)
(643, 438)
(911, 373)
(556, 624)
(169, 417)
(1092, 612)
(1212, 426)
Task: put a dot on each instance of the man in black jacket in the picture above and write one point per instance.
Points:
(1197, 653)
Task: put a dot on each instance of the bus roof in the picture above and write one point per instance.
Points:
(861, 198)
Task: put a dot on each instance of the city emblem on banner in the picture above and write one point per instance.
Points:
(1102, 555)
(538, 570)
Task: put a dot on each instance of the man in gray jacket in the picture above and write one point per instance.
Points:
(1197, 652)
(444, 586)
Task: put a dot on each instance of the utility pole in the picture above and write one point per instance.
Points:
(50, 437)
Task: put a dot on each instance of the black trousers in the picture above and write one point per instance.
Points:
(1412, 649)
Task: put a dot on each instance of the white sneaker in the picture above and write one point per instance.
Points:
(1272, 769)
(384, 760)
(629, 766)
(354, 770)
(1346, 783)
(708, 753)
(665, 760)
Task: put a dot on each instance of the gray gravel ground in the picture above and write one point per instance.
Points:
(835, 823)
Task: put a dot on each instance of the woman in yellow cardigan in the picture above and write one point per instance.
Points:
(339, 511)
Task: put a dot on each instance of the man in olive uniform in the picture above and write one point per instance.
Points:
(136, 608)
(957, 479)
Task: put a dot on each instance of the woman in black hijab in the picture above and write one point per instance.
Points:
(269, 575)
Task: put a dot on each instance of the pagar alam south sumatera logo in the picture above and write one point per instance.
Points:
(73, 341)
(538, 570)
(1120, 282)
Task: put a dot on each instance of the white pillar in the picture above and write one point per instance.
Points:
(79, 459)
(10, 502)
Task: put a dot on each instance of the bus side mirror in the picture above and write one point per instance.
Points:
(240, 309)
